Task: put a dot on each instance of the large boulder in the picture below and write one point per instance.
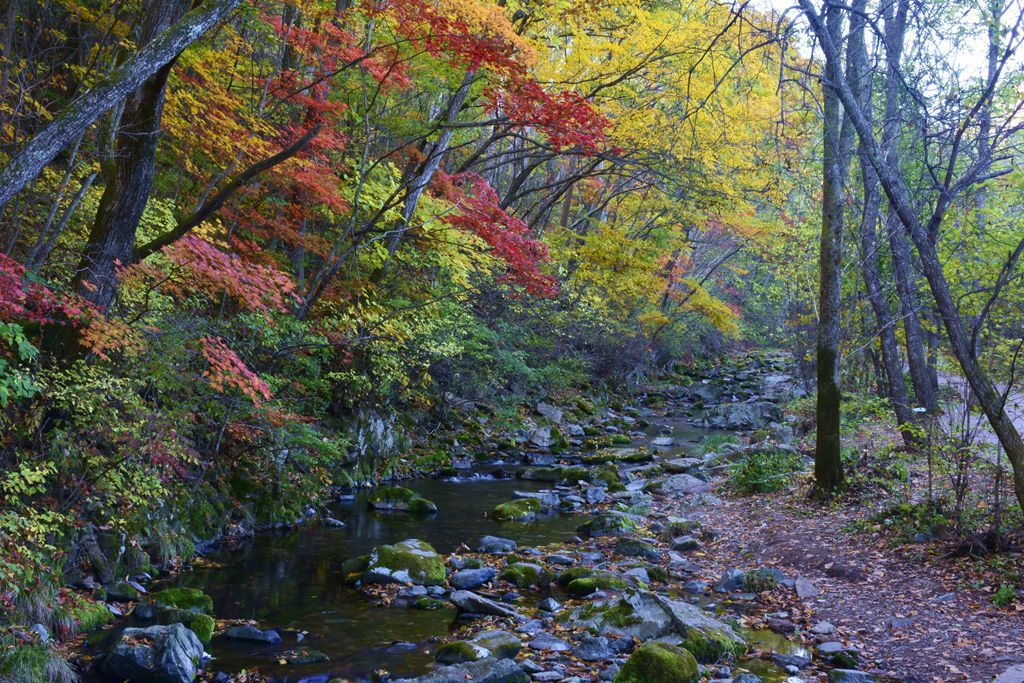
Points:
(158, 654)
(411, 561)
(659, 663)
(744, 416)
(645, 615)
(400, 499)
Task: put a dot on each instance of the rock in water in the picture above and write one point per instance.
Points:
(411, 561)
(849, 676)
(253, 635)
(684, 484)
(494, 545)
(399, 499)
(489, 670)
(158, 654)
(659, 663)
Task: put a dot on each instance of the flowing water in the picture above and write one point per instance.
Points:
(291, 581)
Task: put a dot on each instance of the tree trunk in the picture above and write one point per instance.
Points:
(891, 362)
(129, 178)
(80, 114)
(906, 288)
(828, 465)
(892, 181)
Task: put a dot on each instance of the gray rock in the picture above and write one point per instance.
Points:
(549, 411)
(541, 438)
(805, 589)
(593, 649)
(596, 494)
(1015, 674)
(549, 643)
(158, 654)
(549, 605)
(663, 441)
(544, 676)
(849, 676)
(253, 635)
(548, 501)
(732, 580)
(747, 678)
(637, 547)
(471, 578)
(786, 660)
(488, 670)
(681, 465)
(823, 628)
(494, 545)
(685, 543)
(500, 644)
(696, 587)
(467, 601)
(684, 484)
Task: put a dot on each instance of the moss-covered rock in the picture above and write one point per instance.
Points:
(353, 568)
(191, 599)
(609, 455)
(592, 584)
(637, 547)
(411, 561)
(501, 644)
(197, 622)
(90, 616)
(400, 499)
(621, 439)
(608, 524)
(656, 662)
(460, 652)
(555, 473)
(520, 510)
(426, 602)
(573, 573)
(526, 575)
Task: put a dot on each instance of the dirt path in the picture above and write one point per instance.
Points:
(911, 614)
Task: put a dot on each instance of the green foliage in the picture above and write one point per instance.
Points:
(764, 471)
(1004, 596)
(16, 352)
(908, 520)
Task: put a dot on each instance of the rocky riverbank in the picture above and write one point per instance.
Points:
(622, 601)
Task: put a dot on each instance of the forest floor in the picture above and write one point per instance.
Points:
(912, 610)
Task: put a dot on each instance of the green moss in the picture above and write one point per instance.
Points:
(91, 615)
(460, 651)
(710, 645)
(620, 615)
(428, 603)
(573, 573)
(656, 572)
(555, 473)
(657, 662)
(677, 526)
(621, 439)
(608, 524)
(592, 584)
(526, 575)
(412, 557)
(352, 569)
(183, 598)
(760, 581)
(520, 510)
(401, 499)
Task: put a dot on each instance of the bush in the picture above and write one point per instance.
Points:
(764, 472)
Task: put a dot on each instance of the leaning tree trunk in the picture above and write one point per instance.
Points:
(906, 289)
(129, 176)
(828, 465)
(892, 364)
(83, 112)
(989, 399)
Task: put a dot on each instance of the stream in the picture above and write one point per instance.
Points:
(291, 581)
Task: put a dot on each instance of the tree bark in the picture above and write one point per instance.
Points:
(129, 178)
(906, 288)
(891, 363)
(828, 465)
(79, 115)
(989, 399)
